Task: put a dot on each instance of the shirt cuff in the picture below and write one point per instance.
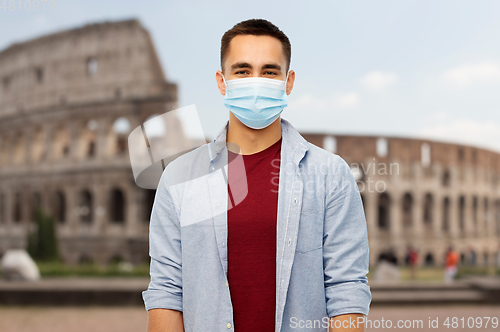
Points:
(348, 298)
(159, 299)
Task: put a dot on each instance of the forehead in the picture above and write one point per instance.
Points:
(256, 50)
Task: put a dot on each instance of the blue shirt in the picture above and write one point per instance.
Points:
(322, 244)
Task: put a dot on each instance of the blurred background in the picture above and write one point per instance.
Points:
(405, 91)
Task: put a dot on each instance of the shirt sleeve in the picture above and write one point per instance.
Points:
(345, 246)
(165, 288)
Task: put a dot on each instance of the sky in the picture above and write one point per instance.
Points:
(417, 69)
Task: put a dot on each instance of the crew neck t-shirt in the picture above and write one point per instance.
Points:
(251, 243)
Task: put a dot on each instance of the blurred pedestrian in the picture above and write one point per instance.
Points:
(412, 262)
(452, 259)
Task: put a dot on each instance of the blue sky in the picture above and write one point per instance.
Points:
(396, 68)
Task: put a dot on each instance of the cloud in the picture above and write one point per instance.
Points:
(443, 126)
(469, 74)
(346, 100)
(378, 80)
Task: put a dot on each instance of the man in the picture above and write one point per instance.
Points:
(278, 244)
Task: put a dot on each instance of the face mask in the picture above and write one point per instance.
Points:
(256, 101)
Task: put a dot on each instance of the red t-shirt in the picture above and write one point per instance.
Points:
(251, 243)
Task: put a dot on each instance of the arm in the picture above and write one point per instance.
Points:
(345, 247)
(347, 323)
(165, 320)
(163, 298)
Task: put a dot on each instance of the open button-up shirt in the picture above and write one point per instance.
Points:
(322, 244)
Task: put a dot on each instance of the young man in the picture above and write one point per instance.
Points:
(258, 230)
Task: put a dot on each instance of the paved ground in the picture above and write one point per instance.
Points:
(99, 319)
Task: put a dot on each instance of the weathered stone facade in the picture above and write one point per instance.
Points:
(67, 103)
(423, 193)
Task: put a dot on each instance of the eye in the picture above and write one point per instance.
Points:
(270, 73)
(241, 72)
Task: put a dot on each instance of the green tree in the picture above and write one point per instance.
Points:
(42, 243)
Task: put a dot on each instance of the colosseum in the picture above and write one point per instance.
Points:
(69, 100)
(67, 104)
(425, 194)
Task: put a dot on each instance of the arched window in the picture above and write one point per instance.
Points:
(428, 209)
(429, 260)
(38, 146)
(16, 211)
(383, 211)
(120, 131)
(85, 207)
(19, 149)
(446, 214)
(407, 210)
(36, 202)
(461, 213)
(2, 208)
(59, 207)
(61, 142)
(117, 206)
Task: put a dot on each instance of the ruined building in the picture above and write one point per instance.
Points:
(425, 194)
(67, 104)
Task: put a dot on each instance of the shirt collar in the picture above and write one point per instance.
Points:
(288, 133)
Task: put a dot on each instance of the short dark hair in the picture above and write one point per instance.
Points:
(256, 27)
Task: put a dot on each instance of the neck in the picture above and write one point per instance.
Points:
(250, 140)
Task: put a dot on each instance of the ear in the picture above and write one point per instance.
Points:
(290, 81)
(220, 82)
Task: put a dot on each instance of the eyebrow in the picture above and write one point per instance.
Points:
(247, 65)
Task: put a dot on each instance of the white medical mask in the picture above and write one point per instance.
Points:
(256, 101)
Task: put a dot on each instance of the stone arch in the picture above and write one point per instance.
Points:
(38, 146)
(59, 206)
(384, 203)
(486, 214)
(85, 206)
(474, 211)
(461, 213)
(4, 150)
(17, 207)
(86, 259)
(117, 205)
(88, 140)
(446, 214)
(61, 144)
(428, 209)
(3, 216)
(35, 204)
(429, 259)
(407, 210)
(118, 136)
(446, 178)
(19, 149)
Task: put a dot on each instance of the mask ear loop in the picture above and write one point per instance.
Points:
(286, 80)
(225, 83)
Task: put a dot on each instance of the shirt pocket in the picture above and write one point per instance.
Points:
(310, 235)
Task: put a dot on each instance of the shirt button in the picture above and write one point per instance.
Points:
(228, 325)
(295, 201)
(289, 241)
